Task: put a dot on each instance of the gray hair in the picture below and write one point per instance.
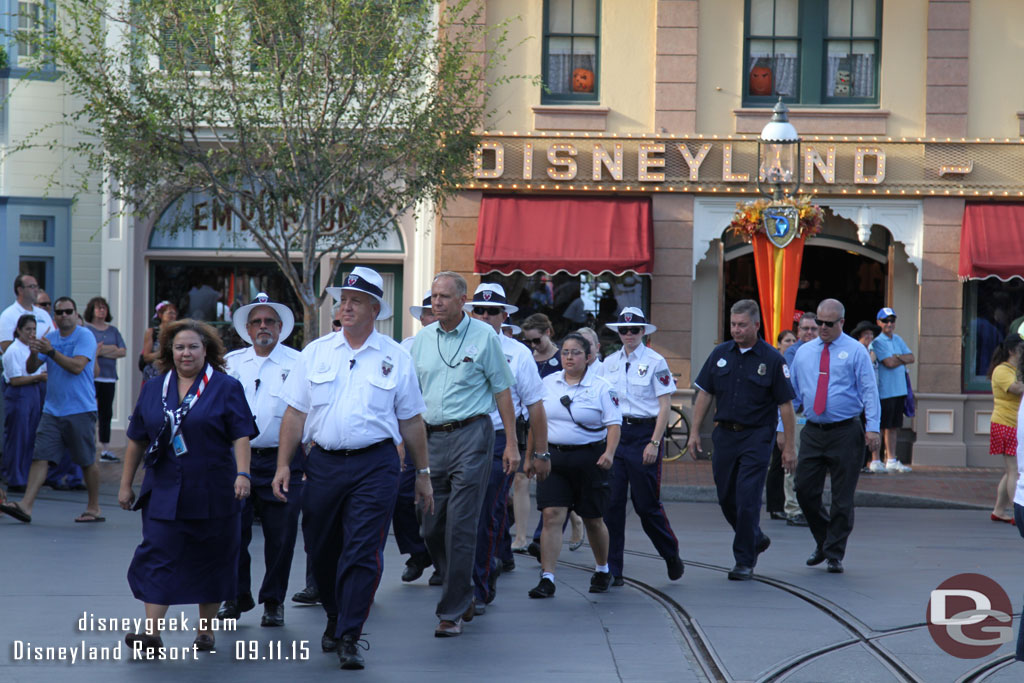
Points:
(747, 307)
(460, 282)
(808, 315)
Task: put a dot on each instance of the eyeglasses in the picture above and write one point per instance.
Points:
(264, 321)
(29, 286)
(490, 310)
(826, 323)
(532, 342)
(887, 320)
(630, 330)
(572, 352)
(63, 311)
(43, 304)
(336, 324)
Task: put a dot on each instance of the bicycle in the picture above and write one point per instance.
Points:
(677, 434)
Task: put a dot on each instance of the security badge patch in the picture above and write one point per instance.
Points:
(762, 369)
(785, 370)
(663, 377)
(385, 366)
(642, 370)
(614, 396)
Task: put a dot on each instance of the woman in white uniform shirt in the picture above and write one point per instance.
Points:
(583, 432)
(23, 395)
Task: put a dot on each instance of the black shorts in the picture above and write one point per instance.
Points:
(576, 482)
(892, 412)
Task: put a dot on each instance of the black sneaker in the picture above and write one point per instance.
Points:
(618, 582)
(107, 456)
(534, 550)
(307, 596)
(328, 643)
(600, 582)
(675, 568)
(508, 565)
(544, 589)
(436, 579)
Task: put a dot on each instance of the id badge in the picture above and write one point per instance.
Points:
(178, 444)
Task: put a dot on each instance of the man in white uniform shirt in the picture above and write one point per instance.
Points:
(490, 305)
(26, 290)
(262, 369)
(354, 396)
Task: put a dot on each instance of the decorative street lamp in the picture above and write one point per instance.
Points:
(778, 157)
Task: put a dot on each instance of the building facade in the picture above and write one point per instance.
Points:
(614, 184)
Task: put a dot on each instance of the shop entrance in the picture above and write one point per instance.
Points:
(856, 279)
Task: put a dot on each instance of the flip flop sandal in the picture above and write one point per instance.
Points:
(15, 511)
(89, 518)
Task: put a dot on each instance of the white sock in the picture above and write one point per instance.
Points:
(548, 575)
(603, 568)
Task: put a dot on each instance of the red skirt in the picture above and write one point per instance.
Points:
(1002, 440)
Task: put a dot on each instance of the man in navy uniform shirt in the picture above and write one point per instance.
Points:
(834, 382)
(750, 382)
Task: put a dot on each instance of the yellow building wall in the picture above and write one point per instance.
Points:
(996, 52)
(720, 71)
(626, 69)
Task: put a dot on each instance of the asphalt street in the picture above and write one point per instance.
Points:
(796, 623)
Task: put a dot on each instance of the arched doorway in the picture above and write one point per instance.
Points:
(835, 265)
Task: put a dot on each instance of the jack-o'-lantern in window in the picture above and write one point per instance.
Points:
(760, 79)
(582, 80)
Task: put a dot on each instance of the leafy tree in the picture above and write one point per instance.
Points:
(315, 124)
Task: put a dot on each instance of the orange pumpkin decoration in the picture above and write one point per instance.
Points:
(760, 80)
(582, 80)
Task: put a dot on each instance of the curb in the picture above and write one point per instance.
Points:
(864, 499)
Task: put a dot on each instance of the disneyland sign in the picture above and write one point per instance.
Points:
(836, 165)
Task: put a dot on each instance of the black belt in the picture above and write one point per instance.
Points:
(825, 426)
(638, 420)
(353, 451)
(577, 446)
(736, 426)
(457, 424)
(263, 452)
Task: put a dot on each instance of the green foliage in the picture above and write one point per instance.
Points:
(316, 122)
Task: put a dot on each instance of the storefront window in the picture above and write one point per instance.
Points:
(233, 285)
(991, 309)
(575, 301)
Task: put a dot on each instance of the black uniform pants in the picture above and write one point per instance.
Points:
(836, 452)
(740, 463)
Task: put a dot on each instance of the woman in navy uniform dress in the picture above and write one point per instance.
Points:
(192, 427)
(23, 395)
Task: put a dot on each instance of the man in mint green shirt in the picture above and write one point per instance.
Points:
(462, 373)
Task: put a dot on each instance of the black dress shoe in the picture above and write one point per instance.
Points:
(328, 643)
(797, 520)
(492, 584)
(436, 579)
(817, 557)
(544, 589)
(508, 565)
(273, 614)
(143, 646)
(741, 572)
(413, 571)
(229, 610)
(203, 642)
(348, 653)
(835, 566)
(534, 550)
(307, 596)
(778, 515)
(245, 602)
(763, 544)
(618, 582)
(600, 582)
(675, 568)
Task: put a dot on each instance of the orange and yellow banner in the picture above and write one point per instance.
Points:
(778, 278)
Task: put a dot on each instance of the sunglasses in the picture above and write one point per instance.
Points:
(44, 304)
(489, 310)
(63, 311)
(826, 323)
(572, 352)
(888, 320)
(533, 342)
(336, 324)
(630, 330)
(260, 322)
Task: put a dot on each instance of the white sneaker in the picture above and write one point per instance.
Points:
(876, 467)
(896, 467)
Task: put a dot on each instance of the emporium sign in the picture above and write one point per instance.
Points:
(829, 165)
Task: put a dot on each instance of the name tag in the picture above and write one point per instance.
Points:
(178, 444)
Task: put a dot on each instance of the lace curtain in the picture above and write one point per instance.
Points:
(862, 73)
(785, 72)
(560, 67)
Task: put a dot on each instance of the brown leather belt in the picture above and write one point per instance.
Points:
(457, 424)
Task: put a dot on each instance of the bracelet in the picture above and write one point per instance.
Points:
(246, 475)
(51, 353)
(425, 470)
(545, 456)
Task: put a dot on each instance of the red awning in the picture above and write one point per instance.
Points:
(992, 242)
(552, 234)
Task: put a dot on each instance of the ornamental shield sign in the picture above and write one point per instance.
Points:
(780, 224)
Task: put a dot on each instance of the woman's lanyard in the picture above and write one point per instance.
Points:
(567, 402)
(174, 418)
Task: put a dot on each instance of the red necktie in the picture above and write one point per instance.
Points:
(821, 395)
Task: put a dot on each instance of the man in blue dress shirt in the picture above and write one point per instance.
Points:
(834, 382)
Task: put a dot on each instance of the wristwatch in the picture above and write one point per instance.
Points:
(425, 470)
(52, 352)
(655, 442)
(545, 456)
